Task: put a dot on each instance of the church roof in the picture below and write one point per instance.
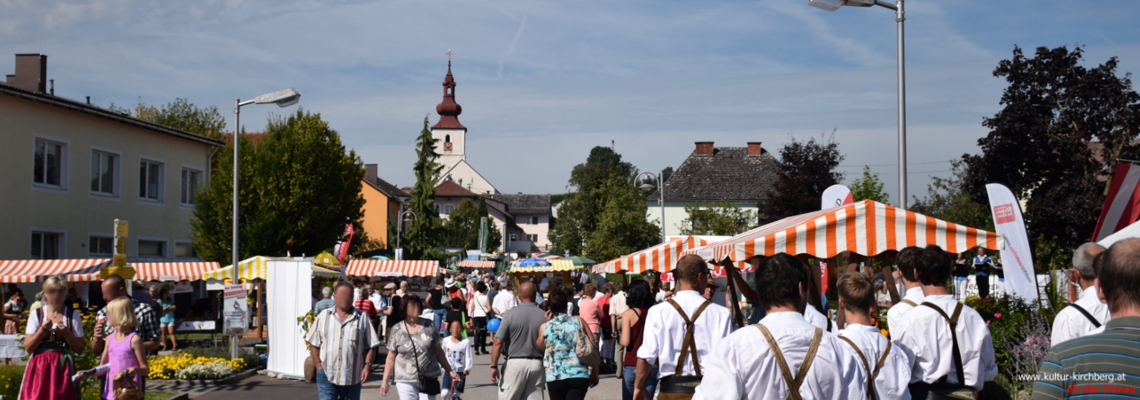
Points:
(449, 110)
(451, 189)
(728, 173)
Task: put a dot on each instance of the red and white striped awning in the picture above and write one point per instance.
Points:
(476, 264)
(661, 258)
(30, 271)
(172, 271)
(392, 268)
(866, 227)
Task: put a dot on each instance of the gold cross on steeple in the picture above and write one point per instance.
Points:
(449, 54)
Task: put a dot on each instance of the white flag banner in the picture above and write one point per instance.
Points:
(1016, 258)
(835, 196)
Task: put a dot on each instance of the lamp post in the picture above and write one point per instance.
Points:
(660, 196)
(832, 5)
(406, 216)
(282, 98)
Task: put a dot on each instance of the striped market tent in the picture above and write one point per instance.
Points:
(254, 268)
(359, 267)
(867, 228)
(556, 265)
(476, 264)
(30, 271)
(659, 258)
(172, 271)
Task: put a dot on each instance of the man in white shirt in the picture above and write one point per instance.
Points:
(765, 360)
(544, 284)
(505, 300)
(617, 306)
(887, 367)
(667, 325)
(928, 335)
(912, 297)
(1087, 314)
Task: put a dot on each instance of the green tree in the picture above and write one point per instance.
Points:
(461, 229)
(621, 227)
(806, 170)
(182, 114)
(298, 189)
(869, 187)
(579, 215)
(717, 218)
(424, 233)
(947, 199)
(1038, 143)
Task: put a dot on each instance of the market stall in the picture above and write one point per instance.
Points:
(32, 271)
(864, 229)
(255, 268)
(476, 264)
(392, 268)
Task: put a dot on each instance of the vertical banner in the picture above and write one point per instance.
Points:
(1016, 258)
(835, 196)
(234, 310)
(823, 276)
(1122, 205)
(342, 247)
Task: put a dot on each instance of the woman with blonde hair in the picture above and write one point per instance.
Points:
(54, 336)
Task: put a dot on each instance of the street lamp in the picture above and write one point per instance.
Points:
(406, 216)
(660, 196)
(282, 98)
(832, 5)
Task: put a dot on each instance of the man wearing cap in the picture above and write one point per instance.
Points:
(391, 309)
(710, 290)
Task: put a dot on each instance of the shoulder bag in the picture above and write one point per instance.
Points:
(584, 347)
(428, 385)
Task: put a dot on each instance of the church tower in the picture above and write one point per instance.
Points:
(450, 135)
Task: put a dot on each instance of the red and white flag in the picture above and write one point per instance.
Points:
(1122, 205)
(342, 247)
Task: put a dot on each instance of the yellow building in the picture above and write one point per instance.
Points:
(383, 202)
(74, 168)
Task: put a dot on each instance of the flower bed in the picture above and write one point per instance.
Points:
(183, 366)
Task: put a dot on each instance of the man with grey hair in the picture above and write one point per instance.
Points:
(1088, 313)
(326, 301)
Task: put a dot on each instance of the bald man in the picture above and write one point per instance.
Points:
(523, 376)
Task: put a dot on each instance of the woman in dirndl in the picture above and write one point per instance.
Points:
(54, 336)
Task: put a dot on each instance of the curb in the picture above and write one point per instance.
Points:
(206, 382)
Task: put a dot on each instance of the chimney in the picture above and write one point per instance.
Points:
(755, 148)
(370, 173)
(31, 73)
(705, 148)
(52, 87)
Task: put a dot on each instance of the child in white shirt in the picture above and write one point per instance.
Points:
(461, 356)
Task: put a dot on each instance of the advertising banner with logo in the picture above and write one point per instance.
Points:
(1016, 258)
(835, 196)
(234, 310)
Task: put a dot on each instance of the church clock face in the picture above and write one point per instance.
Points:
(447, 146)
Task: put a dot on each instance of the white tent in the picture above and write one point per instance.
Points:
(1130, 231)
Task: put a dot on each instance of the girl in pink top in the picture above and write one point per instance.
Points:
(589, 310)
(124, 351)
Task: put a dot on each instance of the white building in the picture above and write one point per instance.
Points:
(451, 137)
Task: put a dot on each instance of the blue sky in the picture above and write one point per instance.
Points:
(542, 82)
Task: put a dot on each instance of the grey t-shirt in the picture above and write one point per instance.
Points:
(426, 340)
(520, 328)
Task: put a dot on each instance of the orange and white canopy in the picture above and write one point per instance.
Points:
(476, 264)
(866, 227)
(358, 267)
(172, 271)
(659, 258)
(30, 271)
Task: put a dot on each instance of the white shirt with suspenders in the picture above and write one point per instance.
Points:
(888, 365)
(911, 299)
(747, 366)
(1081, 318)
(928, 336)
(665, 330)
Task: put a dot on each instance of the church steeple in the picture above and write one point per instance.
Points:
(449, 110)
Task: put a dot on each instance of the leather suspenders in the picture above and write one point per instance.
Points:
(795, 382)
(871, 374)
(689, 346)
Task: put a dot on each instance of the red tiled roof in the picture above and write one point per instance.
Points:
(452, 189)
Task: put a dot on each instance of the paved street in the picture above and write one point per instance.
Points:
(479, 387)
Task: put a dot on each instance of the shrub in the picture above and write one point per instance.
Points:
(10, 378)
(208, 370)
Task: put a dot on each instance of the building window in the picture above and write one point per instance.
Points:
(152, 248)
(150, 180)
(46, 245)
(103, 173)
(183, 249)
(514, 237)
(191, 179)
(100, 246)
(49, 163)
(532, 238)
(448, 208)
(532, 220)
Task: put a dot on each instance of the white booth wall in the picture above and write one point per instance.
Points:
(284, 281)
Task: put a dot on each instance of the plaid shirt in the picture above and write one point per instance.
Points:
(146, 317)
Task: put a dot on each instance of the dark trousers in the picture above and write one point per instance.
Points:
(983, 285)
(568, 389)
(480, 334)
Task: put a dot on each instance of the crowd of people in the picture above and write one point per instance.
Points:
(549, 341)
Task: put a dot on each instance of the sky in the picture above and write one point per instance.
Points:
(543, 82)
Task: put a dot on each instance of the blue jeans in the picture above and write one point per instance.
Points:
(438, 317)
(328, 391)
(629, 374)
